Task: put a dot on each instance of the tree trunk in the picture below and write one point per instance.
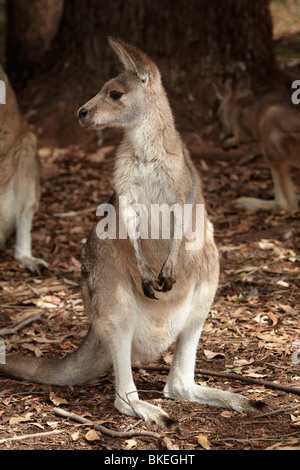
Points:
(194, 43)
(31, 27)
(190, 40)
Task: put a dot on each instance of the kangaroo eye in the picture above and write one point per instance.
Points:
(115, 95)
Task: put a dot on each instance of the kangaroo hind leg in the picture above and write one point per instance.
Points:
(116, 328)
(181, 384)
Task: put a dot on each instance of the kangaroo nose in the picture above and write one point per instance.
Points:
(83, 113)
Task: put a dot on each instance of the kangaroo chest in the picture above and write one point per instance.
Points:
(150, 183)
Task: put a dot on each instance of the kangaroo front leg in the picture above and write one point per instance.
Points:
(135, 220)
(149, 280)
(166, 276)
(23, 242)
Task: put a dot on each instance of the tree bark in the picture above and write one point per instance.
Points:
(194, 43)
(32, 26)
(189, 40)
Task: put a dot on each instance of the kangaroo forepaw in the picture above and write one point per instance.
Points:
(163, 283)
(166, 282)
(148, 288)
(150, 283)
(166, 278)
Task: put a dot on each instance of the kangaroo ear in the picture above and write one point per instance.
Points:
(135, 60)
(222, 90)
(243, 84)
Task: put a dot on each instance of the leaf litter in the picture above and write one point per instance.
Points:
(250, 331)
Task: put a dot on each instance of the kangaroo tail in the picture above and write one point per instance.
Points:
(87, 363)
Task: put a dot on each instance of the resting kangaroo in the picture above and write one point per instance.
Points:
(272, 120)
(136, 308)
(19, 179)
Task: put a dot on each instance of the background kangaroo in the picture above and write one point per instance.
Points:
(19, 179)
(136, 308)
(272, 120)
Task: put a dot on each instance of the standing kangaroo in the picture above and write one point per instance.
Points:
(136, 308)
(273, 121)
(19, 179)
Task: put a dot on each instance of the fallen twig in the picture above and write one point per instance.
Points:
(268, 438)
(241, 378)
(74, 213)
(27, 321)
(28, 436)
(274, 412)
(249, 157)
(253, 271)
(282, 258)
(109, 432)
(225, 375)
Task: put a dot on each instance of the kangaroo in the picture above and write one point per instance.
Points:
(19, 179)
(273, 121)
(141, 294)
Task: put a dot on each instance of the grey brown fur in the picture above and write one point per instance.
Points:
(274, 122)
(19, 179)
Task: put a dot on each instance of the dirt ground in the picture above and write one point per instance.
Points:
(251, 331)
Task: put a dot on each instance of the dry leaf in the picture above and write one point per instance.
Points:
(43, 304)
(168, 358)
(53, 299)
(92, 435)
(287, 309)
(254, 375)
(243, 362)
(296, 420)
(204, 442)
(272, 317)
(280, 446)
(37, 352)
(57, 400)
(227, 414)
(282, 283)
(130, 443)
(266, 245)
(20, 419)
(212, 354)
(52, 424)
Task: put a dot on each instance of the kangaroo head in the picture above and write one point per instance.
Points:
(124, 99)
(231, 99)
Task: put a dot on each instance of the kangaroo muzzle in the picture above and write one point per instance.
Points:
(82, 114)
